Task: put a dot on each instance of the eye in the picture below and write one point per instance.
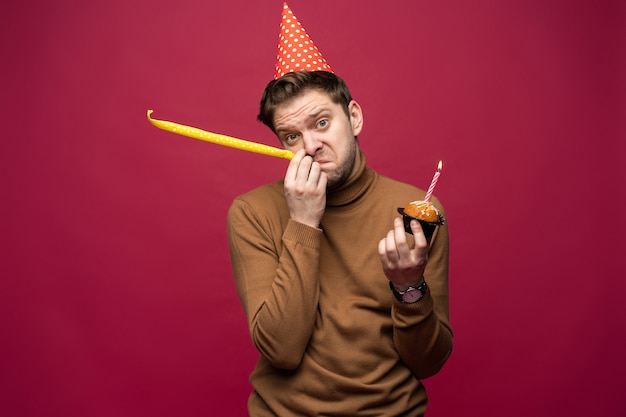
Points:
(322, 123)
(291, 137)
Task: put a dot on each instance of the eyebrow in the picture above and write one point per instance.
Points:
(315, 115)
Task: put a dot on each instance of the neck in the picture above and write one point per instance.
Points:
(360, 179)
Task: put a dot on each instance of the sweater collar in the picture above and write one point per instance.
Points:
(354, 188)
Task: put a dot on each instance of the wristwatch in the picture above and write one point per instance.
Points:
(411, 294)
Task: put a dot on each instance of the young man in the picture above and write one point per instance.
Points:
(320, 259)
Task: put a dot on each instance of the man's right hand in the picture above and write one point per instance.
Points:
(305, 190)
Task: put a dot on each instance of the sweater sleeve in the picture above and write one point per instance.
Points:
(422, 331)
(276, 278)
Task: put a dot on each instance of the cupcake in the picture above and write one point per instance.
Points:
(426, 213)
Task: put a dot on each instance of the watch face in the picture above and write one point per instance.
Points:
(412, 295)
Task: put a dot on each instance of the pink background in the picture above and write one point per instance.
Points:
(116, 296)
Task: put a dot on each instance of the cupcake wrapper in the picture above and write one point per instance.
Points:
(427, 227)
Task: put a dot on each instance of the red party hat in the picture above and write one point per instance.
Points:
(296, 51)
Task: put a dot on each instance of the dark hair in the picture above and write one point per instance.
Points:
(293, 84)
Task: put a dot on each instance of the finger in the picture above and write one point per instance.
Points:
(400, 237)
(322, 181)
(302, 174)
(292, 169)
(418, 234)
(382, 250)
(391, 248)
(314, 173)
(387, 263)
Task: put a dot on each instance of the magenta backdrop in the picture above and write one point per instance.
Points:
(116, 296)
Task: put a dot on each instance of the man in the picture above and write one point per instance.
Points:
(320, 260)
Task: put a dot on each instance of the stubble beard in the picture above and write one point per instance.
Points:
(344, 170)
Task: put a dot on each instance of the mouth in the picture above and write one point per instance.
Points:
(324, 164)
(321, 159)
(324, 159)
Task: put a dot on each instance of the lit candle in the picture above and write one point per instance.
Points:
(218, 139)
(433, 182)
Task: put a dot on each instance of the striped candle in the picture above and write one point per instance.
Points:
(434, 181)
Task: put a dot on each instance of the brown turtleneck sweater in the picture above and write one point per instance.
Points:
(333, 339)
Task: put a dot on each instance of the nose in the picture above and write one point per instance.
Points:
(311, 143)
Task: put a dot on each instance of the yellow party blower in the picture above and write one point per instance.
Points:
(218, 139)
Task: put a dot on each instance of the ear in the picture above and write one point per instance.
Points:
(356, 117)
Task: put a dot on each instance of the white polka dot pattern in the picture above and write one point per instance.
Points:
(296, 50)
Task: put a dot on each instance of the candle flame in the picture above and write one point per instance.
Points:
(440, 166)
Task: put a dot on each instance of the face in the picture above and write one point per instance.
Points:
(313, 122)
